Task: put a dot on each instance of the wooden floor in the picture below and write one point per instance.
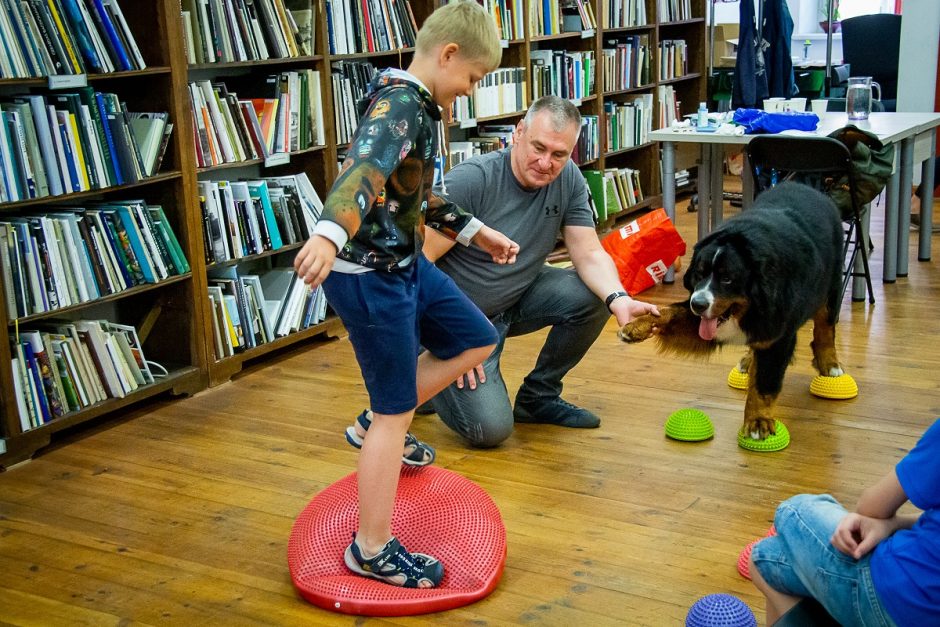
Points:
(179, 513)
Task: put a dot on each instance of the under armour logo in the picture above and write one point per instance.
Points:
(552, 211)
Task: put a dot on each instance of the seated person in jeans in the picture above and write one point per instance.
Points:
(869, 567)
(532, 192)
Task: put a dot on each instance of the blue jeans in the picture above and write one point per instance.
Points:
(557, 299)
(801, 561)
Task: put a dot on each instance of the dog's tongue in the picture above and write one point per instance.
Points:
(708, 328)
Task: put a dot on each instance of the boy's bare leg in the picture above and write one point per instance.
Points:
(436, 374)
(380, 460)
(778, 603)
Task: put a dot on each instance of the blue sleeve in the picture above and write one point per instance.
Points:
(919, 471)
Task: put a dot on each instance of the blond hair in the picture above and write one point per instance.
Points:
(467, 24)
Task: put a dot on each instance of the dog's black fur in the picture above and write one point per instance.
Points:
(758, 278)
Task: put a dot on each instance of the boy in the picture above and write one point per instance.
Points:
(870, 567)
(389, 297)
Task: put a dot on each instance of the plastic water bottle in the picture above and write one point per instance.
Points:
(702, 120)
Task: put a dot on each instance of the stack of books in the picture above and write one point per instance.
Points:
(564, 74)
(55, 37)
(350, 83)
(67, 366)
(250, 309)
(502, 91)
(675, 10)
(286, 116)
(508, 16)
(488, 139)
(629, 123)
(75, 255)
(577, 15)
(613, 190)
(76, 141)
(623, 13)
(588, 147)
(226, 31)
(245, 218)
(358, 26)
(626, 63)
(673, 59)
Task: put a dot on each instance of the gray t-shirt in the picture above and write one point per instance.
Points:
(486, 187)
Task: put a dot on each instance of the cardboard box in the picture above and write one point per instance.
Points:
(726, 45)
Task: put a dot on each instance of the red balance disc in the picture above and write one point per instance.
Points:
(436, 511)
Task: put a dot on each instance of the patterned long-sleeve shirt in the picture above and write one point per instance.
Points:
(382, 197)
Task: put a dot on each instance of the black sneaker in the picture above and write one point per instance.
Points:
(396, 566)
(555, 411)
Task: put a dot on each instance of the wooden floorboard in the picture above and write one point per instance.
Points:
(179, 512)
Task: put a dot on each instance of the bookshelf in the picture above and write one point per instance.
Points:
(174, 317)
(168, 325)
(665, 20)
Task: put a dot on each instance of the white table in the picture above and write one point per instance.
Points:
(911, 132)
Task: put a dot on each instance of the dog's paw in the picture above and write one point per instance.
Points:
(759, 428)
(643, 328)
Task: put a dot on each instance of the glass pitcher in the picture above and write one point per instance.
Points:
(858, 97)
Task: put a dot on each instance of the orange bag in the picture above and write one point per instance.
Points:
(644, 249)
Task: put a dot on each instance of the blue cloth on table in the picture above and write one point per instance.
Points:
(759, 121)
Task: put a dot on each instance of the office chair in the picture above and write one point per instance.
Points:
(870, 45)
(816, 161)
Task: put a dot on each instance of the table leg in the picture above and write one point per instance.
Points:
(859, 286)
(904, 204)
(747, 184)
(889, 270)
(717, 186)
(927, 183)
(669, 191)
(703, 188)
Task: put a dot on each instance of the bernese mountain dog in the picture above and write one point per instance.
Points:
(756, 280)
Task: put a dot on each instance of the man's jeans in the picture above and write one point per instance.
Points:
(557, 299)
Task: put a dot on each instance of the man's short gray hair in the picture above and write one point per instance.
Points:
(562, 112)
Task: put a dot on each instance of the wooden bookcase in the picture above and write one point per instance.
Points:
(175, 315)
(690, 88)
(170, 326)
(319, 163)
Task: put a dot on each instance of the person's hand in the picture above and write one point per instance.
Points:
(502, 249)
(626, 310)
(472, 376)
(857, 535)
(315, 260)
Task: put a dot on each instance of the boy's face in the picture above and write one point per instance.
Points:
(458, 76)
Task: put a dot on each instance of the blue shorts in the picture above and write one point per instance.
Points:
(801, 561)
(389, 315)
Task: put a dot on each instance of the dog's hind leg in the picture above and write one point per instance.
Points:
(764, 383)
(825, 359)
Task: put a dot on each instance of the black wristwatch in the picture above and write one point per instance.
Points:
(614, 296)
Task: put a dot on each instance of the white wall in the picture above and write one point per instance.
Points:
(917, 74)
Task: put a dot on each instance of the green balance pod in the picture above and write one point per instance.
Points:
(770, 444)
(689, 425)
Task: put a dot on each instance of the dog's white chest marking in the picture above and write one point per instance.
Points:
(730, 333)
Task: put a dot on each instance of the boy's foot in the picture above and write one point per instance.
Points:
(396, 566)
(555, 411)
(416, 452)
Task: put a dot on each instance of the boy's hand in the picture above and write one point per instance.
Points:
(502, 249)
(857, 535)
(315, 260)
